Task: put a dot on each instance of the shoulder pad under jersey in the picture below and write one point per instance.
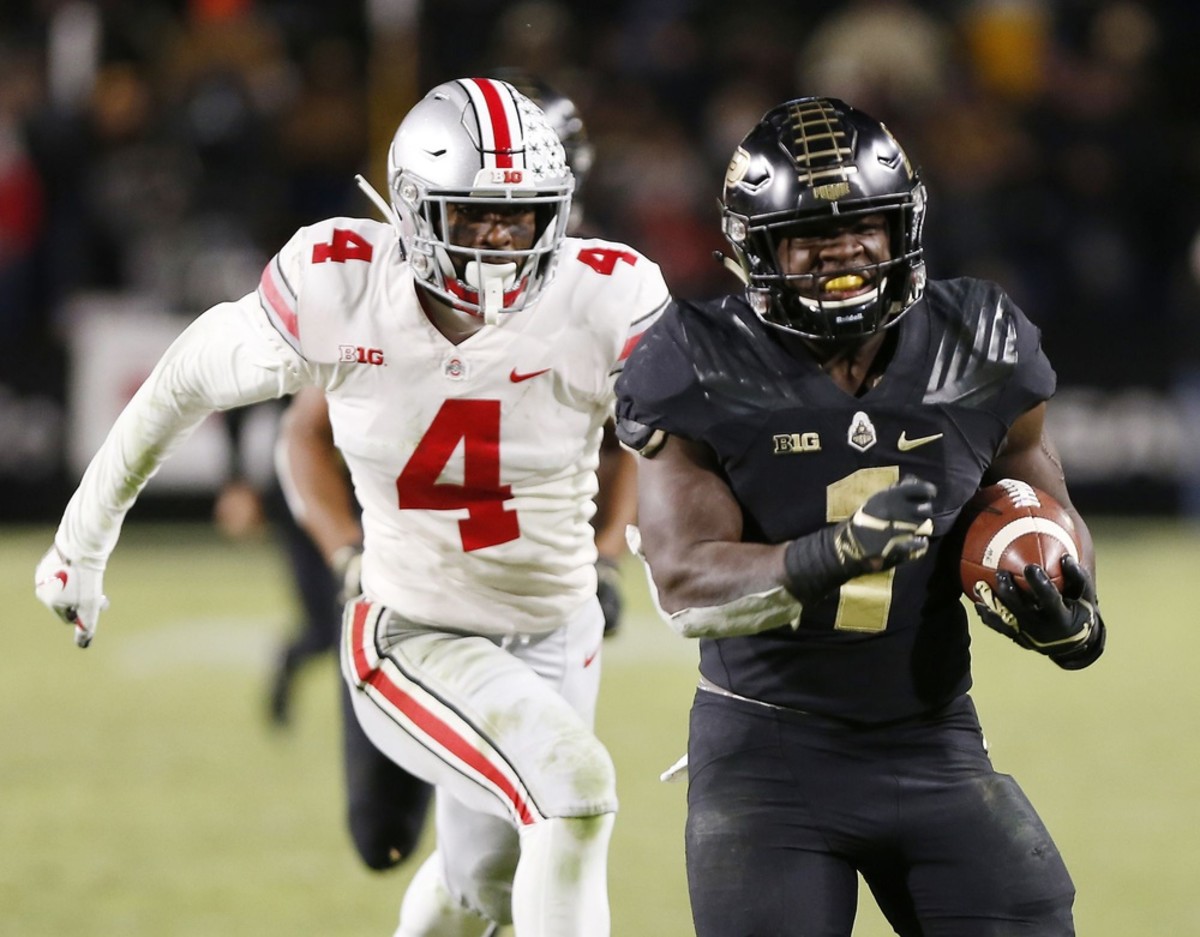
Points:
(320, 289)
(986, 347)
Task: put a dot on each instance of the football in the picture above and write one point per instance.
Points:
(1009, 525)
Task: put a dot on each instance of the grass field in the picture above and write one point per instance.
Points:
(143, 793)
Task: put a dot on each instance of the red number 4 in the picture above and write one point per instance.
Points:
(346, 245)
(604, 259)
(477, 424)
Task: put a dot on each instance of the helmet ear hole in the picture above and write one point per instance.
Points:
(808, 162)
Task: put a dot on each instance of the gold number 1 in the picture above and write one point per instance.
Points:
(863, 602)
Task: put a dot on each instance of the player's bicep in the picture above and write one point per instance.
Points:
(684, 504)
(1029, 454)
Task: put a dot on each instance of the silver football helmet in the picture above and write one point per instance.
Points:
(478, 142)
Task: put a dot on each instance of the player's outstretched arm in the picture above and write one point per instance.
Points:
(227, 357)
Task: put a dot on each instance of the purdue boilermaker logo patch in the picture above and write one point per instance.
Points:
(862, 435)
(796, 442)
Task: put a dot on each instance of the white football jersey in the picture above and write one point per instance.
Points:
(474, 463)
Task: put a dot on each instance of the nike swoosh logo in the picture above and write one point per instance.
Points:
(904, 443)
(517, 377)
(587, 661)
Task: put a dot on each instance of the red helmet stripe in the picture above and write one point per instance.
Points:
(497, 116)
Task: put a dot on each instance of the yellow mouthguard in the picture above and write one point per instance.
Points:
(851, 281)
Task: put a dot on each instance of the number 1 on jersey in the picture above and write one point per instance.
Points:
(864, 602)
(476, 423)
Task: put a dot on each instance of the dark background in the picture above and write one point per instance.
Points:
(157, 153)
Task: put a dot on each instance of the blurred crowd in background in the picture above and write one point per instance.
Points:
(164, 150)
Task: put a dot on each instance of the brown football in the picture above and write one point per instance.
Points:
(1009, 525)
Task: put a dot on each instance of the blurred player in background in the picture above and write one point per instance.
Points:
(808, 448)
(386, 806)
(469, 367)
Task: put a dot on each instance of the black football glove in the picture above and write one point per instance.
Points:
(1065, 626)
(608, 591)
(891, 527)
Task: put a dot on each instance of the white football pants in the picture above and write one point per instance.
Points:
(526, 792)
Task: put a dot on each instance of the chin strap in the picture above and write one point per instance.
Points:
(732, 266)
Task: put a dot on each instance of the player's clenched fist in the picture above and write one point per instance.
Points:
(73, 591)
(891, 527)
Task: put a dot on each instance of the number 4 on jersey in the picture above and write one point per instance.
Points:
(476, 423)
(604, 259)
(345, 245)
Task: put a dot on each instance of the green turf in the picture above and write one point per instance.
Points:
(142, 792)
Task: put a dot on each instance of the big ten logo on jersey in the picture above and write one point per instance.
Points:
(796, 442)
(360, 355)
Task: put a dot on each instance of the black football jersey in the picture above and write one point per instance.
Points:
(798, 452)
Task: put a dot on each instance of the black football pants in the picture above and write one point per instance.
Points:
(784, 809)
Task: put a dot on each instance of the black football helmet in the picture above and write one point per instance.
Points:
(808, 160)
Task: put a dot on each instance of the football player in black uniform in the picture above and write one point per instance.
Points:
(809, 446)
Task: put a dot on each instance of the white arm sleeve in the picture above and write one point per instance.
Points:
(747, 614)
(228, 357)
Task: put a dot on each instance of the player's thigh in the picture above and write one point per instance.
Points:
(460, 711)
(986, 865)
(757, 850)
(569, 659)
(740, 882)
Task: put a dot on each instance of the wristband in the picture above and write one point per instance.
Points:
(811, 568)
(1085, 654)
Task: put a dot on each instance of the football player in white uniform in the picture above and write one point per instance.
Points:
(469, 367)
(386, 806)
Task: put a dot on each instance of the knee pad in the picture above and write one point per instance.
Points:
(583, 778)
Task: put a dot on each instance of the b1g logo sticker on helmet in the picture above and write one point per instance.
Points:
(487, 177)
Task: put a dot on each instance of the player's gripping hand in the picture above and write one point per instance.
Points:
(608, 592)
(73, 591)
(1065, 626)
(891, 527)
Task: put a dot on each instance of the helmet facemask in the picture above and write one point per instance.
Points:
(877, 291)
(809, 165)
(478, 144)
